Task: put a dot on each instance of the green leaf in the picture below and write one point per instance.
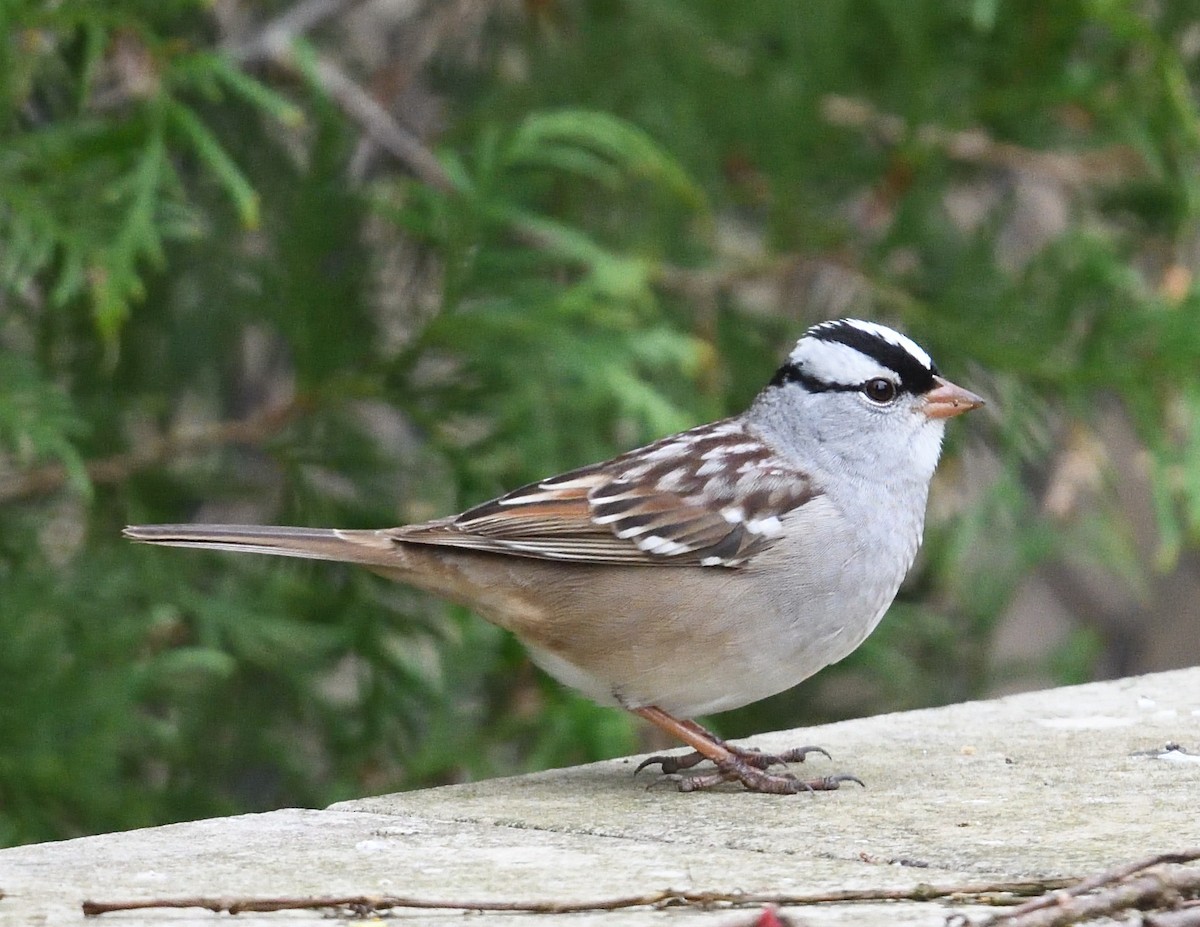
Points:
(217, 160)
(38, 420)
(253, 91)
(602, 144)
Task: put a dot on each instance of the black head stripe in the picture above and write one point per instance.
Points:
(792, 373)
(915, 377)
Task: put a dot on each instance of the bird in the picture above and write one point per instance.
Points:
(701, 572)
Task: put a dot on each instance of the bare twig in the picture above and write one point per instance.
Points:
(275, 43)
(1185, 916)
(1104, 166)
(378, 123)
(1123, 872)
(1148, 883)
(292, 22)
(991, 893)
(1113, 890)
(359, 105)
(252, 431)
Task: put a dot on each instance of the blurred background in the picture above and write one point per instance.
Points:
(362, 262)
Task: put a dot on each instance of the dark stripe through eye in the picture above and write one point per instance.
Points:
(792, 373)
(877, 389)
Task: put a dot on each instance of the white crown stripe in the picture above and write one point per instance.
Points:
(890, 335)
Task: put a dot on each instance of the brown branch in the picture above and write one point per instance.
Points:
(1156, 886)
(1114, 890)
(119, 467)
(1186, 916)
(275, 43)
(1103, 166)
(276, 46)
(292, 22)
(378, 123)
(992, 893)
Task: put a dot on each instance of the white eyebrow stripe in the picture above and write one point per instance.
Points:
(834, 362)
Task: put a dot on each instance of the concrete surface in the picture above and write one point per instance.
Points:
(1057, 783)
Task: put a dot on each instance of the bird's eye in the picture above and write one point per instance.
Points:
(880, 390)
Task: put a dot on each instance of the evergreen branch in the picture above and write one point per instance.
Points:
(384, 130)
(276, 43)
(252, 431)
(210, 152)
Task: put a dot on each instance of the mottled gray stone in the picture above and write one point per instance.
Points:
(1046, 784)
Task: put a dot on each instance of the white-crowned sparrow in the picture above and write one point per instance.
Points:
(704, 571)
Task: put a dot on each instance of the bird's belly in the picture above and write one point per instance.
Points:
(694, 640)
(706, 639)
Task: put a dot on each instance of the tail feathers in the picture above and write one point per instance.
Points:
(371, 548)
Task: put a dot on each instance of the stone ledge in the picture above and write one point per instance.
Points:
(1040, 785)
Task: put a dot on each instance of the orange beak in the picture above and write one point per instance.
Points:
(946, 400)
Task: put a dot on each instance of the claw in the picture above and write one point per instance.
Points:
(797, 754)
(671, 764)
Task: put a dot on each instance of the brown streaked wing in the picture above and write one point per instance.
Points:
(550, 524)
(711, 496)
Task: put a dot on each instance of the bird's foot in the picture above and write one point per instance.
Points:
(758, 780)
(750, 756)
(734, 764)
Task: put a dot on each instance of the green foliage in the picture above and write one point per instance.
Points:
(92, 197)
(206, 315)
(38, 420)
